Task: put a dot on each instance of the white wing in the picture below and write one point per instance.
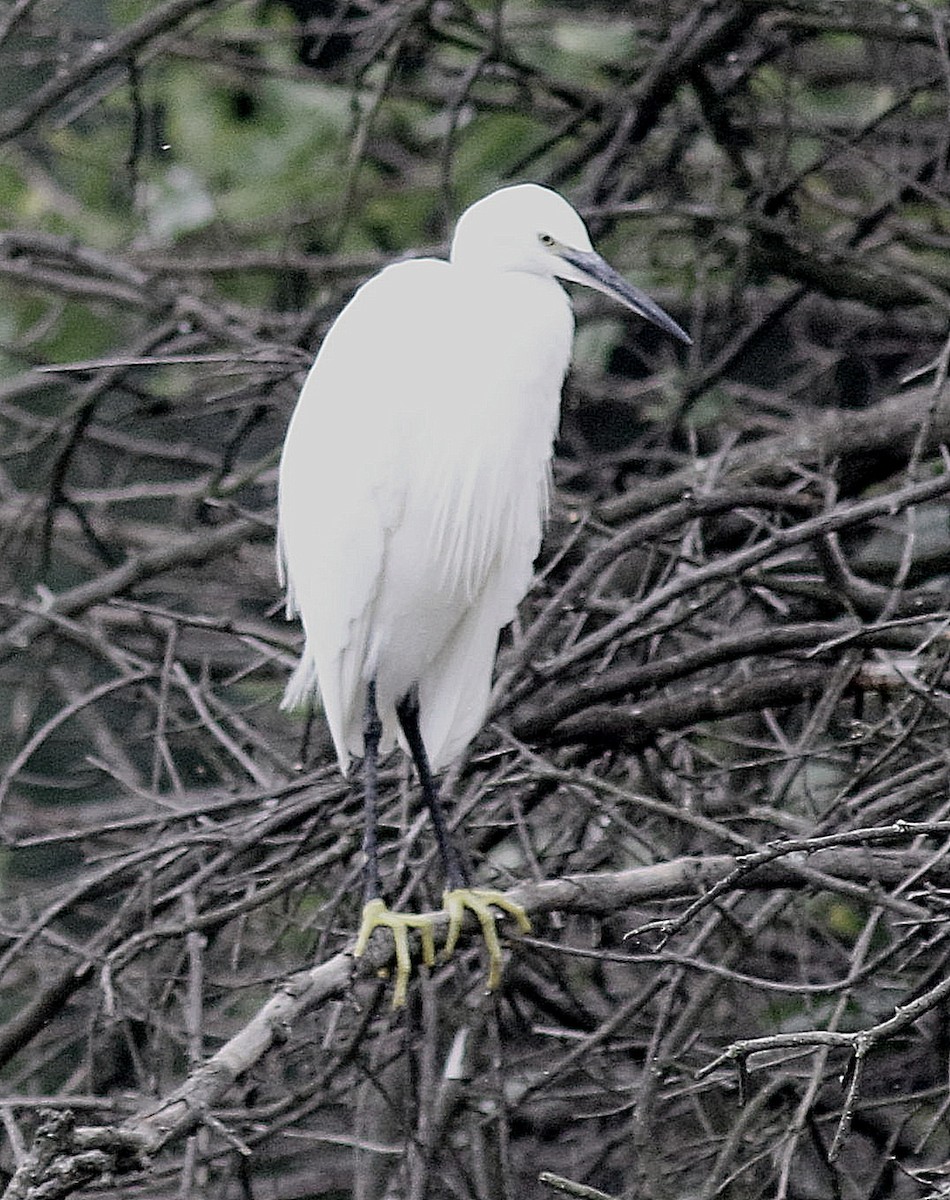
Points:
(338, 495)
(411, 491)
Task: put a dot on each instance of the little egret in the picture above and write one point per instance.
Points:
(413, 487)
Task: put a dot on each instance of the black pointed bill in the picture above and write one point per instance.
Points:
(597, 273)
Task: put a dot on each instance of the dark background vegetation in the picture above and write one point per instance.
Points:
(725, 703)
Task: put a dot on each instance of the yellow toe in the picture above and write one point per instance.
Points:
(480, 901)
(377, 916)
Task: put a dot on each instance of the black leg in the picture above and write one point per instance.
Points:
(407, 710)
(372, 732)
(375, 913)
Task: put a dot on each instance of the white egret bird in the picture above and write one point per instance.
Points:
(413, 486)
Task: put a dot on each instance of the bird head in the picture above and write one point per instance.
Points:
(532, 229)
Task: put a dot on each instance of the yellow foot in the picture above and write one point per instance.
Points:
(376, 914)
(480, 901)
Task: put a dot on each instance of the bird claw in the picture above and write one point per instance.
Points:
(376, 915)
(480, 901)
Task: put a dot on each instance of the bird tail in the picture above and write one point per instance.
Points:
(302, 685)
(302, 689)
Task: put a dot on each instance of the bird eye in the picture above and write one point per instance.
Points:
(546, 239)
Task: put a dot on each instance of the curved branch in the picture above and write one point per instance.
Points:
(98, 58)
(892, 425)
(136, 568)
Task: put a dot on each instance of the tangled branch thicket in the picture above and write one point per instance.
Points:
(717, 770)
